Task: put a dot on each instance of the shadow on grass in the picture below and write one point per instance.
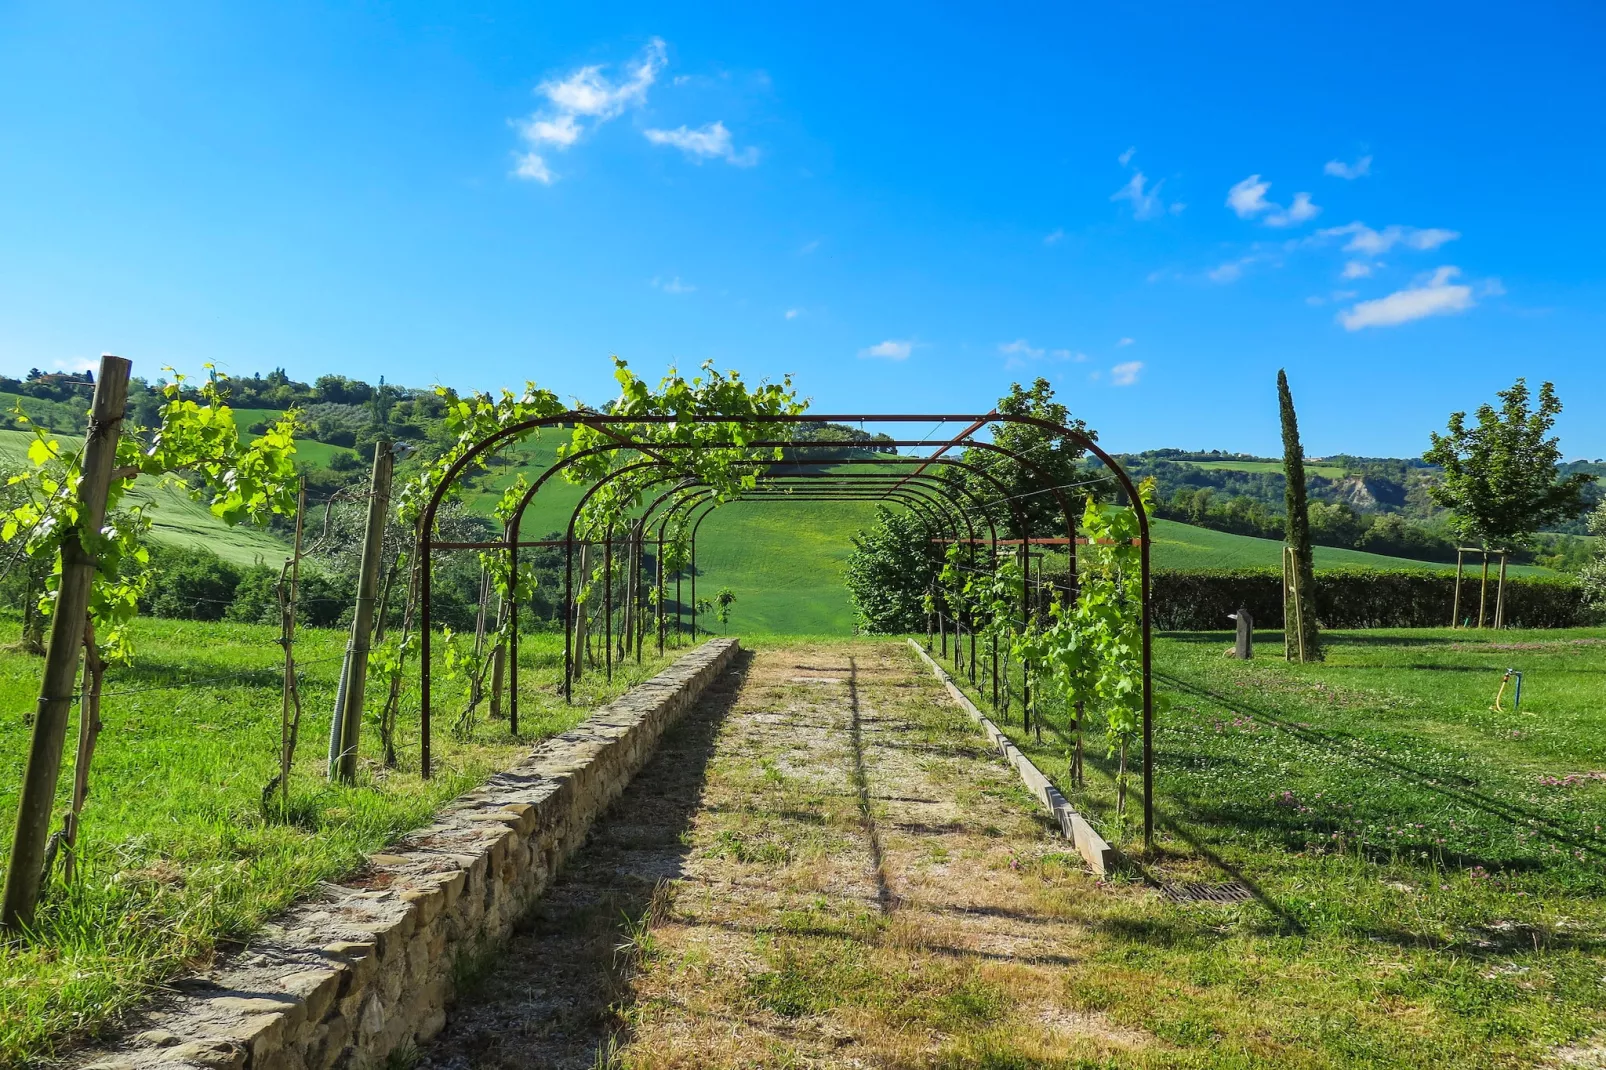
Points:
(558, 992)
(1347, 746)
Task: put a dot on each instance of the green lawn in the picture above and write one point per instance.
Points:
(1428, 874)
(1326, 471)
(1178, 545)
(178, 853)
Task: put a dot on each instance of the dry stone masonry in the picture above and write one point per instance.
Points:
(366, 967)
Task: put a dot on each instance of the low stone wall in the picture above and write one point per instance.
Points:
(366, 967)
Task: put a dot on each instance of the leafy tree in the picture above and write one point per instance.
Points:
(1500, 479)
(891, 569)
(1593, 575)
(1054, 462)
(722, 606)
(1297, 532)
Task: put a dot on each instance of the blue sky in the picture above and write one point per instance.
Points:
(1155, 206)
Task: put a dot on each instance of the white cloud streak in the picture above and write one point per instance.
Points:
(1248, 200)
(1433, 295)
(673, 286)
(1123, 343)
(585, 94)
(1146, 202)
(891, 349)
(1126, 374)
(1349, 171)
(1126, 157)
(709, 142)
(1368, 242)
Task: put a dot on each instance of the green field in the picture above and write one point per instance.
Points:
(177, 851)
(1326, 471)
(1178, 545)
(176, 518)
(1427, 875)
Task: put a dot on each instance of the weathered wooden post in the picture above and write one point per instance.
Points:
(348, 716)
(26, 871)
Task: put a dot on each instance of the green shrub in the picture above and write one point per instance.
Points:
(1192, 600)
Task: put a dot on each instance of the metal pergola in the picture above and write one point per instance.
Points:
(949, 510)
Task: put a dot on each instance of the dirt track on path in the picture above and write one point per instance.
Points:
(822, 866)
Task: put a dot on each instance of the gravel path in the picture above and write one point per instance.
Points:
(822, 866)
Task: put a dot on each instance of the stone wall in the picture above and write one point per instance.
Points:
(366, 967)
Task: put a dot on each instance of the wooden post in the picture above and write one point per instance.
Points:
(290, 724)
(26, 871)
(1500, 596)
(1455, 606)
(1483, 591)
(362, 623)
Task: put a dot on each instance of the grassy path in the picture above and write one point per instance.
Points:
(822, 867)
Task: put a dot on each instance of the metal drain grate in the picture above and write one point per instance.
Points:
(1230, 892)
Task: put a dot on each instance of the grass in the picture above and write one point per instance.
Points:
(1326, 471)
(1427, 872)
(178, 857)
(176, 518)
(1178, 545)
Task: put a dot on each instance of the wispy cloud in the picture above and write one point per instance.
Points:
(1349, 171)
(584, 96)
(809, 247)
(1146, 201)
(1248, 199)
(1123, 343)
(1053, 237)
(891, 349)
(793, 313)
(673, 285)
(709, 142)
(1359, 269)
(1126, 374)
(1230, 271)
(1126, 157)
(1363, 239)
(1020, 347)
(1432, 295)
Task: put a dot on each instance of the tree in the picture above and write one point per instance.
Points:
(1500, 479)
(722, 607)
(1053, 462)
(891, 569)
(1296, 524)
(1593, 575)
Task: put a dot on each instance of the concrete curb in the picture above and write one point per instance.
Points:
(366, 968)
(1100, 856)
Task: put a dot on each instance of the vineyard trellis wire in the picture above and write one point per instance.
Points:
(697, 462)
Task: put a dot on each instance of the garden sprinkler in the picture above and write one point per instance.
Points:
(1516, 697)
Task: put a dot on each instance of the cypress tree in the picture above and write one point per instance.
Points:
(1297, 532)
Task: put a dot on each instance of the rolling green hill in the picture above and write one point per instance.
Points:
(783, 561)
(176, 519)
(1326, 471)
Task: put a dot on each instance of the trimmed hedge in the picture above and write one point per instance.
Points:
(1200, 599)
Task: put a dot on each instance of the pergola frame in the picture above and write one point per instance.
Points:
(784, 480)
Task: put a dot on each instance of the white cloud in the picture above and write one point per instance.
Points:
(1363, 239)
(793, 313)
(673, 286)
(891, 349)
(76, 364)
(1126, 157)
(1053, 236)
(1339, 169)
(1019, 348)
(533, 167)
(1125, 374)
(1146, 203)
(1358, 269)
(1123, 343)
(584, 94)
(1248, 199)
(709, 142)
(1298, 212)
(809, 247)
(1231, 271)
(1433, 295)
